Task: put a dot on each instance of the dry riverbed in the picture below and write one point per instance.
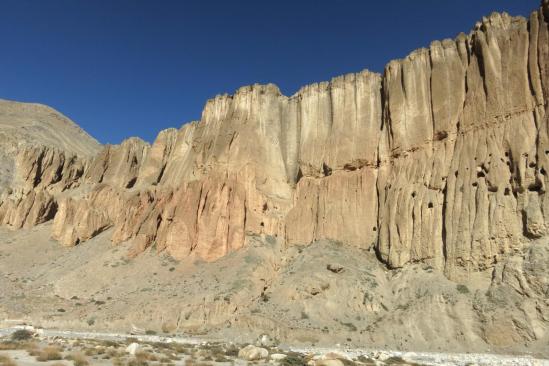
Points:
(28, 346)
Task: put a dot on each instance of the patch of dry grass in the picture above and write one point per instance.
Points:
(118, 362)
(167, 360)
(166, 354)
(113, 353)
(193, 362)
(6, 361)
(137, 362)
(49, 353)
(145, 356)
(78, 359)
(94, 351)
(10, 345)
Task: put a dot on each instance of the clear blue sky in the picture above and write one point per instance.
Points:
(123, 68)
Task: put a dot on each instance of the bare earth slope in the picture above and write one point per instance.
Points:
(428, 181)
(24, 124)
(322, 294)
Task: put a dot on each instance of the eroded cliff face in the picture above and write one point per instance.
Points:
(443, 159)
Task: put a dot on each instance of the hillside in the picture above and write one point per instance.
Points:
(23, 124)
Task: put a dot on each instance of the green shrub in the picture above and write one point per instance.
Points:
(294, 359)
(21, 335)
(462, 289)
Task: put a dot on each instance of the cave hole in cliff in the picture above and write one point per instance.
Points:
(535, 187)
(262, 224)
(475, 184)
(507, 153)
(349, 167)
(374, 228)
(532, 165)
(546, 152)
(542, 171)
(480, 175)
(299, 175)
(131, 183)
(430, 205)
(441, 135)
(413, 194)
(326, 170)
(265, 207)
(507, 191)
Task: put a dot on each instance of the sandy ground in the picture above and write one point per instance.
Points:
(321, 295)
(201, 350)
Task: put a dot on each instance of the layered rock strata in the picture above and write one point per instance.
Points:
(443, 159)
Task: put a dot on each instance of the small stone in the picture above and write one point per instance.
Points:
(132, 348)
(335, 268)
(278, 356)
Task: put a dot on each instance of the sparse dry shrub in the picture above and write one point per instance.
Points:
(179, 348)
(169, 355)
(49, 353)
(21, 335)
(145, 356)
(167, 360)
(193, 362)
(231, 351)
(112, 353)
(107, 343)
(34, 351)
(137, 362)
(294, 359)
(6, 361)
(78, 359)
(8, 346)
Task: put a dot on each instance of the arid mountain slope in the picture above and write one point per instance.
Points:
(441, 161)
(326, 293)
(26, 124)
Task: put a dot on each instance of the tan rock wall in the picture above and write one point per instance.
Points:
(443, 159)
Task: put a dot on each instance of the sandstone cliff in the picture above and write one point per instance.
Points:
(443, 159)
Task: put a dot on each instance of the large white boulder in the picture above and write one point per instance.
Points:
(251, 353)
(132, 348)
